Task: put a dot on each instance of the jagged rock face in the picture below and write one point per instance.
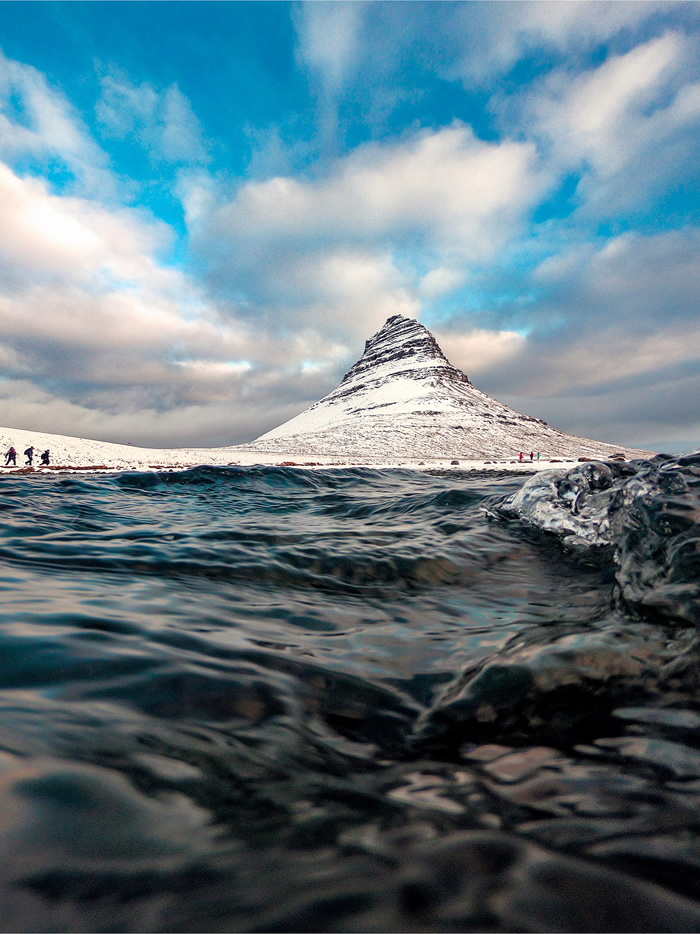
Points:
(406, 344)
(402, 350)
(404, 399)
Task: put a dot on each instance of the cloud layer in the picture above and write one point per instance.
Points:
(522, 178)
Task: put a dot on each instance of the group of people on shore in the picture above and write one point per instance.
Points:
(11, 457)
(532, 454)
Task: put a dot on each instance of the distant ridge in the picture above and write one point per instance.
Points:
(403, 399)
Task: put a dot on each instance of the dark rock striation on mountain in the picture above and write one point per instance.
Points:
(403, 399)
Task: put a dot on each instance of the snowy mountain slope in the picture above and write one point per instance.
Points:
(402, 402)
(404, 399)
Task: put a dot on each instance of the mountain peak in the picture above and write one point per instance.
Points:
(403, 399)
(401, 345)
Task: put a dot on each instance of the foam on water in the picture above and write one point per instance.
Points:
(648, 513)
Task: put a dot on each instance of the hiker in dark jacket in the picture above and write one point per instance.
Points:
(45, 459)
(29, 454)
(11, 456)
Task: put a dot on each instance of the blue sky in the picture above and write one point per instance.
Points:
(207, 208)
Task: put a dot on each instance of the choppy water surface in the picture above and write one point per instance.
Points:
(273, 699)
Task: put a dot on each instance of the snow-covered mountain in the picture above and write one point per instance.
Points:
(402, 403)
(404, 399)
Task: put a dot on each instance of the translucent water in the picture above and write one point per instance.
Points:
(275, 699)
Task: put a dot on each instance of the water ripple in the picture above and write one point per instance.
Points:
(277, 699)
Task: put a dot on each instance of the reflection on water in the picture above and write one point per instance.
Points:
(269, 699)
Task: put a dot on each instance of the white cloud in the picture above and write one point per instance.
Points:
(478, 350)
(328, 43)
(44, 236)
(493, 37)
(346, 248)
(614, 341)
(351, 45)
(657, 415)
(445, 188)
(181, 137)
(343, 292)
(202, 423)
(197, 192)
(328, 36)
(628, 126)
(105, 324)
(622, 87)
(163, 123)
(39, 122)
(441, 281)
(123, 108)
(139, 351)
(341, 253)
(606, 360)
(605, 115)
(85, 303)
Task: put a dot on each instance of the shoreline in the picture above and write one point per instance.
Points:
(82, 455)
(471, 466)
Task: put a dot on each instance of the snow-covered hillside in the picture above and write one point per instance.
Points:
(404, 399)
(77, 453)
(402, 403)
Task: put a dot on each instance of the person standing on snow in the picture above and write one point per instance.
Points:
(45, 459)
(11, 456)
(29, 454)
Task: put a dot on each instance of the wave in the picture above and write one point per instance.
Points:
(279, 699)
(647, 513)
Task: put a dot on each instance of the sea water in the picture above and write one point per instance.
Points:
(271, 699)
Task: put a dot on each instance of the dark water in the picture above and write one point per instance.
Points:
(277, 700)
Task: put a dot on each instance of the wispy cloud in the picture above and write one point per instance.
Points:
(38, 124)
(628, 126)
(488, 40)
(161, 122)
